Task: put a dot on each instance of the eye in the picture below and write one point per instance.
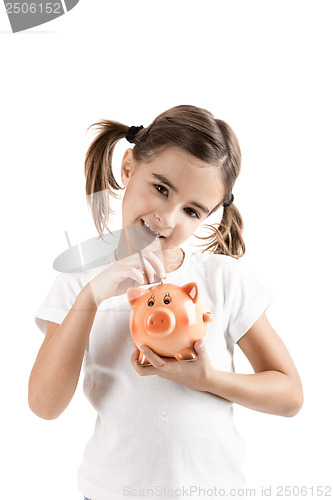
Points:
(151, 302)
(192, 213)
(196, 215)
(167, 299)
(158, 186)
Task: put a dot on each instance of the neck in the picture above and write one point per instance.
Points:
(173, 259)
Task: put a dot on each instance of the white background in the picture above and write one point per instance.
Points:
(265, 68)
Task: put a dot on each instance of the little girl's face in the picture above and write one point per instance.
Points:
(173, 193)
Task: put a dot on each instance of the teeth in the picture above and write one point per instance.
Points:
(151, 229)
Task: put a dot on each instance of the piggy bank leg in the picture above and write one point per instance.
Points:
(187, 354)
(143, 360)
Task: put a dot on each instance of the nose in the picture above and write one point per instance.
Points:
(166, 218)
(160, 323)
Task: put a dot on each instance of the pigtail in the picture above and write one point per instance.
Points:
(227, 236)
(100, 181)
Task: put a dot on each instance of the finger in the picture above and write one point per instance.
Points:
(137, 275)
(147, 268)
(156, 264)
(148, 262)
(144, 371)
(135, 355)
(141, 370)
(149, 271)
(200, 347)
(152, 357)
(136, 351)
(122, 272)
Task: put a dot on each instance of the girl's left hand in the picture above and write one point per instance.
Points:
(194, 374)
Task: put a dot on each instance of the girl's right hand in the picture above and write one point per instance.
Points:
(109, 282)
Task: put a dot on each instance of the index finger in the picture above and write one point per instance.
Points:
(155, 260)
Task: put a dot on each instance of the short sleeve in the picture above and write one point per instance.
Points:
(246, 299)
(59, 299)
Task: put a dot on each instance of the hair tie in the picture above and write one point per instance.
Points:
(229, 202)
(131, 133)
(145, 135)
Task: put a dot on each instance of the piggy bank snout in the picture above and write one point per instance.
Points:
(160, 323)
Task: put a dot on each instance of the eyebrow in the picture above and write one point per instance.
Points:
(161, 178)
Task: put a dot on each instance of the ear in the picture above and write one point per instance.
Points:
(192, 290)
(133, 294)
(127, 166)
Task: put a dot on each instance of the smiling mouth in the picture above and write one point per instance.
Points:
(151, 230)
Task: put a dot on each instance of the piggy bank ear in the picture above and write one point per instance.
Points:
(192, 290)
(133, 294)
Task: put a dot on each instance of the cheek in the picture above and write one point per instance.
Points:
(189, 226)
(188, 316)
(135, 200)
(184, 321)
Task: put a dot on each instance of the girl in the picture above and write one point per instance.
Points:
(164, 430)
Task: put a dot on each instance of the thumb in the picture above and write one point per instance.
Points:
(199, 345)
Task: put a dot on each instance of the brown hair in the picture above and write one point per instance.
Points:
(190, 128)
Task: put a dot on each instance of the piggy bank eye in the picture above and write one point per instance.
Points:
(151, 302)
(167, 299)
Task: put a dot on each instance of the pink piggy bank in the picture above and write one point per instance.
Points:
(168, 319)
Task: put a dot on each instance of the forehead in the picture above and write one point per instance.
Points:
(190, 176)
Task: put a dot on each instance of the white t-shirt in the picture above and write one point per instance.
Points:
(157, 438)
